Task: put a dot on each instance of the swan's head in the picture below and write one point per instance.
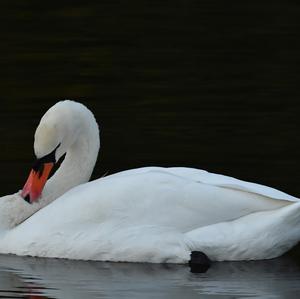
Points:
(57, 131)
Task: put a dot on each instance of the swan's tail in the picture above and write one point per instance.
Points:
(260, 235)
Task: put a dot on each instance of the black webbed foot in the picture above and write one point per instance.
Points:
(199, 262)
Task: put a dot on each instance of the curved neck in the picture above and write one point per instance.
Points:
(78, 164)
(76, 169)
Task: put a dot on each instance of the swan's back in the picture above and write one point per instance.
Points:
(174, 197)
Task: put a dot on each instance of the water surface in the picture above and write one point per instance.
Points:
(54, 278)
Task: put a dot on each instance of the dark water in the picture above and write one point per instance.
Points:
(52, 278)
(207, 84)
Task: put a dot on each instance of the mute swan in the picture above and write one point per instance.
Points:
(150, 214)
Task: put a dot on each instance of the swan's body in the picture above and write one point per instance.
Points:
(149, 214)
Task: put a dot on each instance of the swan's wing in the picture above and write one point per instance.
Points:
(230, 182)
(205, 177)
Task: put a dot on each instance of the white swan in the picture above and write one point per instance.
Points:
(149, 214)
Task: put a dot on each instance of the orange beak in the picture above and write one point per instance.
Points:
(36, 182)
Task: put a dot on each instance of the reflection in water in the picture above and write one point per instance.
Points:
(55, 278)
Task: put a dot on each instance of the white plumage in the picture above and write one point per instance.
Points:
(149, 214)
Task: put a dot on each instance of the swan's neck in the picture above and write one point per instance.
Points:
(76, 169)
(77, 166)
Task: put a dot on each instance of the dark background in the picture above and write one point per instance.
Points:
(207, 84)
